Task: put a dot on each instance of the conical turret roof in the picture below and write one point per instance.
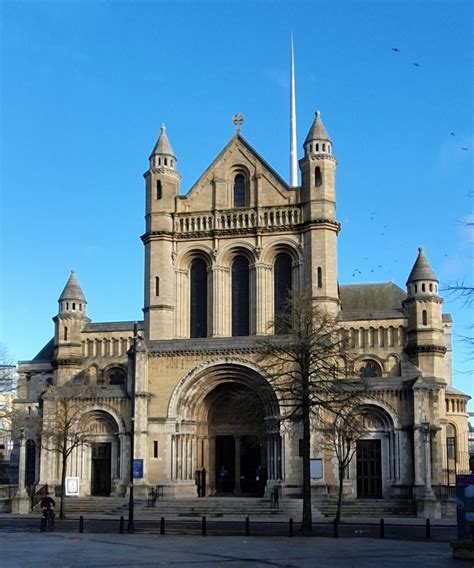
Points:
(317, 130)
(163, 145)
(72, 290)
(421, 269)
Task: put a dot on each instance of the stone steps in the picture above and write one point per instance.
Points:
(212, 506)
(104, 505)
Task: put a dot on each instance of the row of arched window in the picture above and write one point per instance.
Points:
(240, 188)
(240, 292)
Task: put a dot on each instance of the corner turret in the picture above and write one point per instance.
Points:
(68, 325)
(318, 199)
(162, 185)
(426, 346)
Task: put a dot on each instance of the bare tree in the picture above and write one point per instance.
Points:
(7, 392)
(308, 362)
(341, 429)
(63, 432)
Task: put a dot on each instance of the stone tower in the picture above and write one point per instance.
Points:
(318, 196)
(162, 190)
(68, 325)
(425, 346)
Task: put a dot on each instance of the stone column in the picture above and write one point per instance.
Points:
(427, 506)
(263, 297)
(220, 301)
(21, 501)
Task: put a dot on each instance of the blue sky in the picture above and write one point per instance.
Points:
(86, 85)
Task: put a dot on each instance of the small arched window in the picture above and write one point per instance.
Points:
(317, 147)
(324, 147)
(282, 285)
(157, 285)
(74, 305)
(317, 177)
(166, 161)
(431, 287)
(320, 277)
(370, 369)
(240, 191)
(451, 442)
(116, 377)
(416, 288)
(240, 296)
(423, 288)
(159, 190)
(424, 317)
(198, 298)
(65, 334)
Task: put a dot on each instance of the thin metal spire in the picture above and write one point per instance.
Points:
(293, 148)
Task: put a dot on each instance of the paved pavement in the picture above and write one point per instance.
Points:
(59, 550)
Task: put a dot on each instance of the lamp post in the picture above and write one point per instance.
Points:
(130, 526)
(426, 429)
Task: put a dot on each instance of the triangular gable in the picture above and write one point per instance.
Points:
(248, 157)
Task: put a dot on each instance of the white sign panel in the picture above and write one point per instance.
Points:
(316, 468)
(72, 486)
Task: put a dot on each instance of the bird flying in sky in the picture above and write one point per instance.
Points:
(395, 49)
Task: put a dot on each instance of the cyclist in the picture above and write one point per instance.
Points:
(48, 504)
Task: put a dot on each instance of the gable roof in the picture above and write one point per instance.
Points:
(46, 353)
(371, 297)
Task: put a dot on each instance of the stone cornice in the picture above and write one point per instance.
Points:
(251, 231)
(416, 348)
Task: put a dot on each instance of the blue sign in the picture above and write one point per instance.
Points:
(465, 505)
(137, 469)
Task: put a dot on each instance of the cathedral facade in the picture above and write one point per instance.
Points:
(219, 262)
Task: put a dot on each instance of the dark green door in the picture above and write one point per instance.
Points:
(101, 469)
(369, 469)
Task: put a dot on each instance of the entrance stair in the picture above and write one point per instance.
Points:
(363, 507)
(217, 507)
(213, 507)
(96, 505)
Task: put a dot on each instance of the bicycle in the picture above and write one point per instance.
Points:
(48, 519)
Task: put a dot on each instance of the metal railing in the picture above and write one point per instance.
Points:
(38, 494)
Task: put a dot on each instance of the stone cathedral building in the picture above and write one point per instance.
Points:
(218, 262)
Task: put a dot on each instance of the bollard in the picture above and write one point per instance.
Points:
(121, 525)
(247, 526)
(162, 525)
(336, 529)
(290, 528)
(382, 528)
(42, 524)
(81, 524)
(428, 529)
(204, 527)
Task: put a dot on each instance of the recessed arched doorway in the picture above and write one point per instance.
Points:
(377, 454)
(102, 451)
(228, 441)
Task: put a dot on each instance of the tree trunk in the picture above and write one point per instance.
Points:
(63, 485)
(341, 490)
(307, 520)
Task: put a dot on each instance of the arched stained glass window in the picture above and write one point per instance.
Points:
(198, 298)
(282, 284)
(240, 296)
(240, 193)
